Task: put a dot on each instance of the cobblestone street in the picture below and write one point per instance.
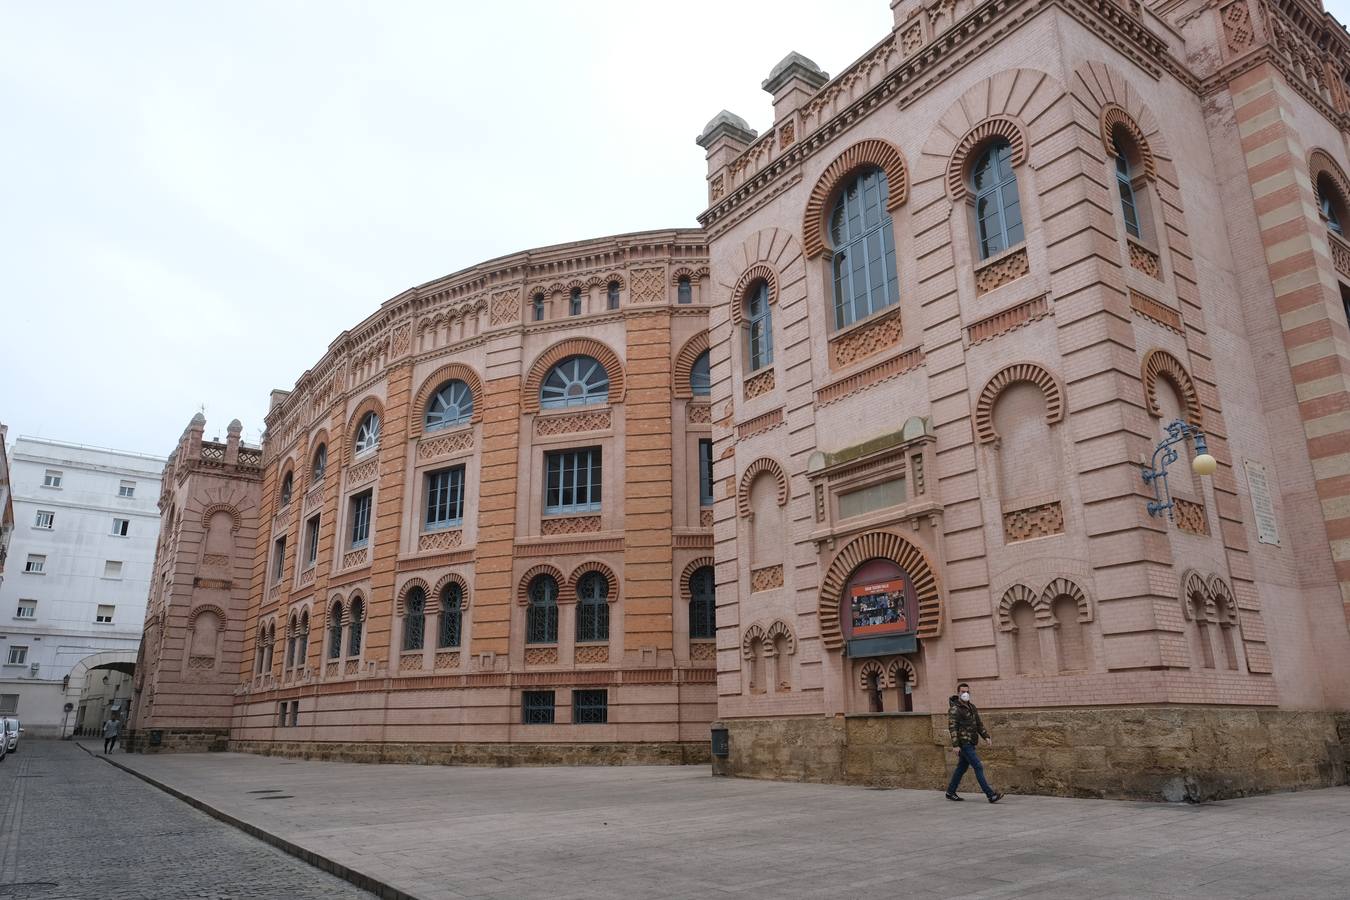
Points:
(74, 828)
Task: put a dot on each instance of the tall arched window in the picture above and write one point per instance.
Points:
(576, 381)
(452, 404)
(574, 302)
(702, 605)
(1125, 184)
(287, 487)
(368, 433)
(1026, 639)
(537, 307)
(1330, 203)
(593, 607)
(292, 638)
(998, 210)
(700, 376)
(320, 463)
(335, 631)
(302, 645)
(541, 614)
(271, 646)
(1069, 635)
(684, 291)
(358, 619)
(612, 295)
(864, 249)
(260, 654)
(758, 327)
(414, 619)
(452, 615)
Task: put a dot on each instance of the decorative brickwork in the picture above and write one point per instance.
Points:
(878, 545)
(702, 651)
(871, 376)
(649, 285)
(505, 308)
(201, 662)
(1007, 320)
(751, 427)
(436, 447)
(570, 525)
(705, 518)
(866, 340)
(448, 539)
(1340, 255)
(1190, 516)
(541, 656)
(354, 558)
(965, 154)
(447, 659)
(1037, 521)
(1114, 119)
(753, 471)
(1145, 260)
(360, 474)
(410, 662)
(698, 414)
(1160, 363)
(999, 271)
(569, 423)
(591, 654)
(759, 383)
(331, 670)
(1029, 372)
(760, 271)
(307, 577)
(1149, 308)
(766, 579)
(453, 371)
(539, 369)
(693, 348)
(1237, 27)
(862, 155)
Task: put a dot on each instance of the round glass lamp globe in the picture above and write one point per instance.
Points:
(1204, 464)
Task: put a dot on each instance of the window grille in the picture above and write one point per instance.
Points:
(998, 210)
(536, 707)
(358, 617)
(452, 404)
(759, 327)
(573, 481)
(445, 498)
(414, 619)
(541, 615)
(335, 631)
(705, 472)
(593, 607)
(361, 519)
(576, 381)
(702, 604)
(452, 606)
(590, 707)
(864, 249)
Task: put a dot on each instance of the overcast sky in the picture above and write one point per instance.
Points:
(198, 198)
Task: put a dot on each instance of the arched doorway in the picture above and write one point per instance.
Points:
(99, 686)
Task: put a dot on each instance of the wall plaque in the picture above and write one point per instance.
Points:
(1267, 531)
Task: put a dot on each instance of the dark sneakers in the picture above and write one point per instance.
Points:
(954, 796)
(995, 797)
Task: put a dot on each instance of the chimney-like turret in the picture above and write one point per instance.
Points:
(791, 83)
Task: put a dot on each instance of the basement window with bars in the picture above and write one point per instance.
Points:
(590, 707)
(536, 707)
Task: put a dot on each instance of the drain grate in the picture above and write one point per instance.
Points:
(276, 797)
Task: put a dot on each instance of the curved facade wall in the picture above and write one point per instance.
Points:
(432, 585)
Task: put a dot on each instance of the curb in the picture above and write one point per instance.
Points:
(379, 888)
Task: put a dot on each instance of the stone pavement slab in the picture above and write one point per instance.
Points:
(678, 832)
(73, 828)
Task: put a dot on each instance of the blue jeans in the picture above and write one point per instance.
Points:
(969, 760)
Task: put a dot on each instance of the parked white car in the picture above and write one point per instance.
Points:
(12, 729)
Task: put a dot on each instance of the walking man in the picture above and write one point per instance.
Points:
(963, 721)
(111, 729)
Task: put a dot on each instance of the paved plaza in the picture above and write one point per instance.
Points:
(661, 832)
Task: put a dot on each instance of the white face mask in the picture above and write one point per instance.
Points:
(965, 695)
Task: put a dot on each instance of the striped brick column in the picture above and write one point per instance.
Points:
(648, 519)
(388, 512)
(1306, 295)
(493, 590)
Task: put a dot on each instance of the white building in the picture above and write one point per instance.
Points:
(72, 603)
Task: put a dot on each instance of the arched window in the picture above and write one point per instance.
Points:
(260, 655)
(541, 615)
(452, 615)
(1125, 183)
(1330, 203)
(320, 462)
(335, 631)
(576, 381)
(1224, 614)
(452, 404)
(574, 302)
(292, 637)
(538, 307)
(758, 327)
(302, 647)
(287, 487)
(358, 618)
(702, 605)
(864, 249)
(593, 607)
(271, 646)
(998, 211)
(368, 433)
(1026, 640)
(700, 376)
(612, 295)
(1069, 635)
(414, 619)
(684, 291)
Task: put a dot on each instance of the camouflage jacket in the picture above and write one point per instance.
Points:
(963, 722)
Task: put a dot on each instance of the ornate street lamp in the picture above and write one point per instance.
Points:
(1156, 475)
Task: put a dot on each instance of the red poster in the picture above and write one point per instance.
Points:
(879, 608)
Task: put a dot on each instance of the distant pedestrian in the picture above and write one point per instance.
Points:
(111, 729)
(966, 727)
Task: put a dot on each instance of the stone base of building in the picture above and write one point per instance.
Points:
(486, 754)
(177, 740)
(1138, 753)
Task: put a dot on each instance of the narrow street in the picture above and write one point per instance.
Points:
(74, 828)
